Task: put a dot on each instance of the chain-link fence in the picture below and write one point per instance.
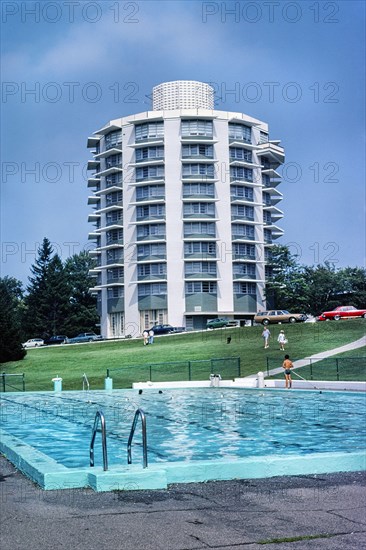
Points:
(12, 382)
(330, 368)
(175, 371)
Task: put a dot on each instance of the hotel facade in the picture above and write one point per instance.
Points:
(184, 212)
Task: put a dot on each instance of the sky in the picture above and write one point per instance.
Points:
(68, 67)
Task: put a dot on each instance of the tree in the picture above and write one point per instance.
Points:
(83, 315)
(285, 284)
(321, 285)
(47, 302)
(10, 331)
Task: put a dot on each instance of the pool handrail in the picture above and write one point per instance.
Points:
(139, 413)
(85, 382)
(99, 416)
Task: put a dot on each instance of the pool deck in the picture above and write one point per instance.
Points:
(317, 512)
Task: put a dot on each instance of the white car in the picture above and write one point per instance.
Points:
(33, 343)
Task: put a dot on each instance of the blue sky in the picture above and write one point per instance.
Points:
(70, 67)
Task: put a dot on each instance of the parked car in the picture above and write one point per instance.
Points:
(166, 329)
(55, 340)
(33, 343)
(342, 312)
(217, 323)
(279, 316)
(83, 337)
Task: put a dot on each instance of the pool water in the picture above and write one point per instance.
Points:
(188, 425)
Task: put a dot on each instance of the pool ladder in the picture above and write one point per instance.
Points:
(99, 417)
(139, 413)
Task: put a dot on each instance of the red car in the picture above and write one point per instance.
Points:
(342, 312)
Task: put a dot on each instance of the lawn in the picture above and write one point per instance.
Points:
(71, 361)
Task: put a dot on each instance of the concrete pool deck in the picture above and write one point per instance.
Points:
(317, 512)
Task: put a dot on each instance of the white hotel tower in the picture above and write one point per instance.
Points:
(184, 212)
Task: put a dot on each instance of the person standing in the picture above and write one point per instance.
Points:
(282, 340)
(266, 336)
(287, 365)
(145, 334)
(151, 336)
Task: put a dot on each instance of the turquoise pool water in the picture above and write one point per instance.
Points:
(188, 425)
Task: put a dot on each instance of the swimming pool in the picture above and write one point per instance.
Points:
(208, 433)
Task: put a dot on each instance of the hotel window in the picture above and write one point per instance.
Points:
(241, 173)
(263, 137)
(205, 228)
(203, 248)
(241, 132)
(151, 250)
(242, 211)
(149, 172)
(113, 139)
(149, 130)
(150, 192)
(197, 128)
(241, 230)
(115, 292)
(198, 189)
(152, 289)
(154, 270)
(244, 269)
(207, 208)
(147, 153)
(267, 199)
(267, 236)
(192, 268)
(114, 179)
(114, 236)
(115, 273)
(244, 288)
(238, 153)
(113, 198)
(157, 229)
(113, 160)
(197, 150)
(156, 210)
(198, 170)
(242, 192)
(267, 218)
(197, 287)
(244, 250)
(114, 217)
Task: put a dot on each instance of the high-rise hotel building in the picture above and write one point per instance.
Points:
(184, 208)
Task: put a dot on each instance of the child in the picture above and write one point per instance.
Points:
(287, 365)
(282, 340)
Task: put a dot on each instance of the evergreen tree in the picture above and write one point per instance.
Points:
(83, 314)
(10, 332)
(47, 302)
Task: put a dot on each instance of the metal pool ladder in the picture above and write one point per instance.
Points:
(99, 417)
(85, 382)
(138, 413)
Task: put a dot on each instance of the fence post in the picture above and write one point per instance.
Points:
(23, 378)
(4, 382)
(337, 367)
(239, 367)
(189, 371)
(311, 370)
(108, 373)
(150, 373)
(267, 360)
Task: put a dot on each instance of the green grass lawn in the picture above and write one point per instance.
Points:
(71, 361)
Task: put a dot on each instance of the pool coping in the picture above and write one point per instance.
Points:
(50, 475)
